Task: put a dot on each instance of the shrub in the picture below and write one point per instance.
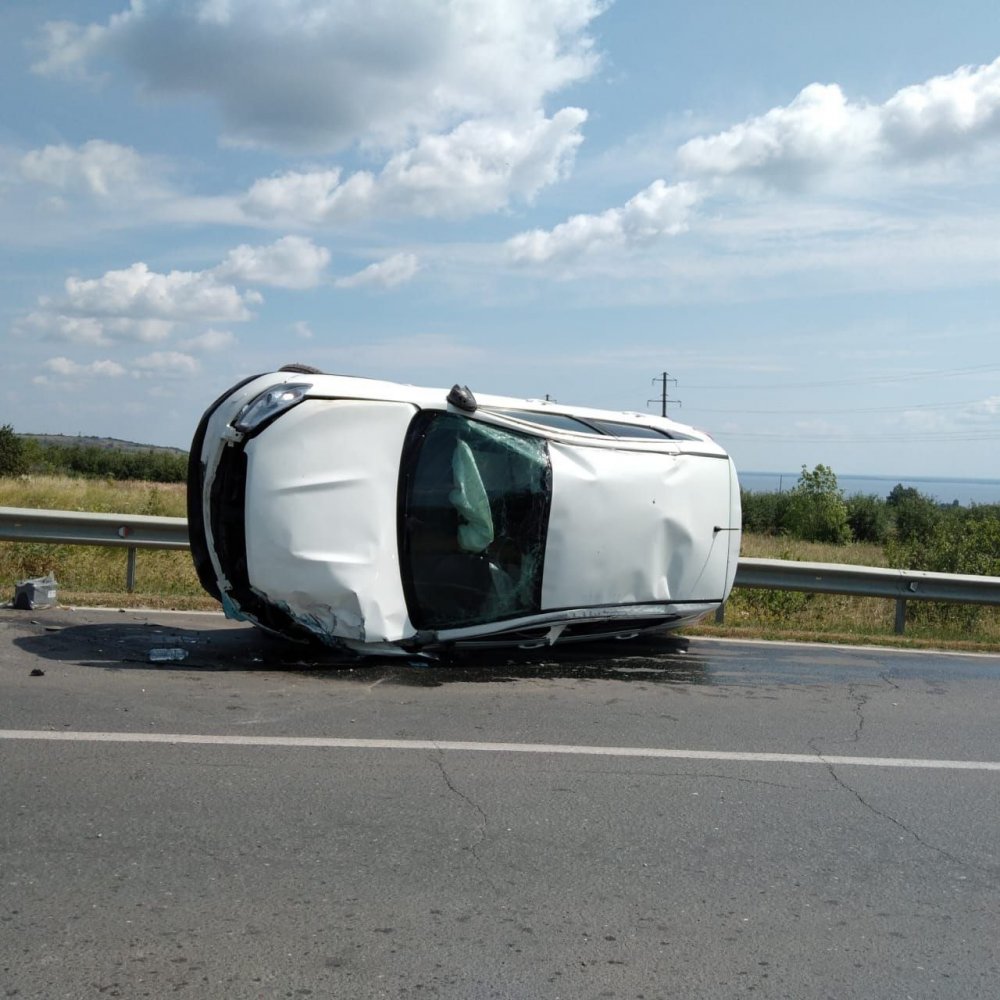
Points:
(817, 511)
(12, 457)
(914, 515)
(960, 541)
(765, 513)
(868, 516)
(93, 462)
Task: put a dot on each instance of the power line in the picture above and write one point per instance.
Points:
(870, 438)
(871, 380)
(849, 410)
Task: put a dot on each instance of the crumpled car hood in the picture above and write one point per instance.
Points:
(311, 472)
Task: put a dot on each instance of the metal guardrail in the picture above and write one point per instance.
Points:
(868, 581)
(137, 531)
(71, 527)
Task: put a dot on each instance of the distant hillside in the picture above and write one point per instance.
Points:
(97, 458)
(104, 443)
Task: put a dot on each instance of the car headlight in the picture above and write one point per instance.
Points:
(269, 404)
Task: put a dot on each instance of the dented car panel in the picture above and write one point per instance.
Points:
(635, 530)
(388, 518)
(314, 471)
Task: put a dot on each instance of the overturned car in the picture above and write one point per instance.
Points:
(391, 518)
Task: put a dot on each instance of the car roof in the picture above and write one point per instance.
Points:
(494, 406)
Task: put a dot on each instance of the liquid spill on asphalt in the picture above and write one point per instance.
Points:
(124, 643)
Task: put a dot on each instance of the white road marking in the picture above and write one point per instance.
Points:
(846, 646)
(336, 743)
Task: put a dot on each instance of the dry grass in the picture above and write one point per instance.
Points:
(94, 575)
(98, 496)
(770, 547)
(762, 614)
(90, 575)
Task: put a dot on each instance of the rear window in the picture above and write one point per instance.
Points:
(622, 430)
(593, 425)
(559, 421)
(474, 509)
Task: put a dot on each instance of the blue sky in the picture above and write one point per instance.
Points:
(793, 209)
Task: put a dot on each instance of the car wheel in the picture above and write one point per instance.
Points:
(300, 369)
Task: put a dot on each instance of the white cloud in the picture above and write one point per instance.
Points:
(945, 114)
(53, 326)
(989, 407)
(73, 369)
(104, 170)
(314, 196)
(821, 132)
(66, 47)
(480, 164)
(394, 270)
(979, 416)
(985, 411)
(209, 342)
(135, 304)
(144, 306)
(818, 129)
(171, 363)
(303, 330)
(918, 135)
(291, 262)
(319, 75)
(660, 210)
(477, 167)
(49, 323)
(139, 293)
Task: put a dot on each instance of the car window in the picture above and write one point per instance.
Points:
(557, 420)
(474, 508)
(624, 430)
(592, 425)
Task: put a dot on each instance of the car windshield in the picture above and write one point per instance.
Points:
(473, 517)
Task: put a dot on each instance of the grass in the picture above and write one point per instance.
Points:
(99, 496)
(95, 576)
(839, 618)
(91, 575)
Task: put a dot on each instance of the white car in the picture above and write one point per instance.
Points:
(391, 518)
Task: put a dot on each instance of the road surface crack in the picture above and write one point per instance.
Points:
(813, 745)
(473, 847)
(860, 700)
(902, 826)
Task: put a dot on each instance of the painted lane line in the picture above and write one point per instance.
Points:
(335, 743)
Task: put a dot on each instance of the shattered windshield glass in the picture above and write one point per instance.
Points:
(474, 513)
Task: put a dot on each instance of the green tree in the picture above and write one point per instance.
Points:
(12, 458)
(764, 513)
(914, 515)
(868, 516)
(817, 511)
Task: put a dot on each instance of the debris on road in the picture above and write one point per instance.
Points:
(37, 593)
(163, 655)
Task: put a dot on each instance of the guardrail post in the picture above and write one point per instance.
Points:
(900, 615)
(720, 615)
(130, 570)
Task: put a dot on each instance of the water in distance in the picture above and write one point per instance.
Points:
(965, 491)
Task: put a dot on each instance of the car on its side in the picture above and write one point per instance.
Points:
(388, 518)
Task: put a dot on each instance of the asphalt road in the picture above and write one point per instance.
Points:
(683, 819)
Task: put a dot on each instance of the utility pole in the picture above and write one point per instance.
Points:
(664, 379)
